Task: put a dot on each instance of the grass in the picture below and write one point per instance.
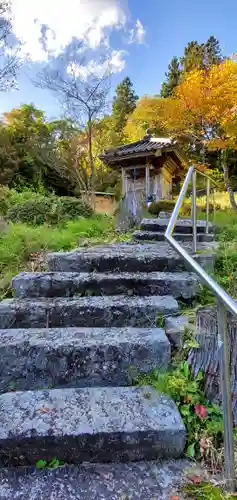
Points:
(221, 200)
(226, 263)
(22, 246)
(206, 491)
(226, 220)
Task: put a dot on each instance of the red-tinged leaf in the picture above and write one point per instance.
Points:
(195, 479)
(201, 411)
(43, 409)
(174, 498)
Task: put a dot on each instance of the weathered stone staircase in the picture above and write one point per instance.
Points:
(154, 229)
(72, 341)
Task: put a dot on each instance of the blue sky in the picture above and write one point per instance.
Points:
(140, 38)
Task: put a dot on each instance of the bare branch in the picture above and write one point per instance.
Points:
(82, 93)
(9, 50)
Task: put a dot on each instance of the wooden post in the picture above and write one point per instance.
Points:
(123, 182)
(147, 181)
(134, 201)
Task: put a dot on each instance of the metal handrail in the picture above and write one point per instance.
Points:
(224, 301)
(207, 177)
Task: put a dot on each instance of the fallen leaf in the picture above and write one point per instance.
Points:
(174, 498)
(195, 479)
(43, 409)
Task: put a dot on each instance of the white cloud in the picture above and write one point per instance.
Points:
(90, 19)
(46, 27)
(115, 64)
(137, 34)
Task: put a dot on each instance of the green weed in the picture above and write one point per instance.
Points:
(52, 464)
(160, 320)
(206, 491)
(203, 420)
(22, 246)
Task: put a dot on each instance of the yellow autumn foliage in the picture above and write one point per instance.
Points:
(203, 106)
(146, 115)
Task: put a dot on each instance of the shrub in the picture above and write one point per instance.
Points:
(4, 204)
(71, 208)
(161, 206)
(18, 197)
(31, 212)
(51, 210)
(10, 197)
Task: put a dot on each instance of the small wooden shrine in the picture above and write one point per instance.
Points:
(148, 168)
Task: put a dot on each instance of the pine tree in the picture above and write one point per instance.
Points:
(124, 103)
(194, 56)
(201, 56)
(172, 78)
(213, 51)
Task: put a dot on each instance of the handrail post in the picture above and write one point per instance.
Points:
(226, 395)
(207, 205)
(194, 210)
(214, 205)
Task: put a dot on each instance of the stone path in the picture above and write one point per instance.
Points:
(73, 339)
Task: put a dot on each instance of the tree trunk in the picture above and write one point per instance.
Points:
(224, 158)
(91, 161)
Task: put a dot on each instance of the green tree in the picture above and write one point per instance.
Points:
(33, 142)
(201, 56)
(124, 103)
(9, 161)
(53, 155)
(172, 78)
(196, 56)
(213, 54)
(30, 150)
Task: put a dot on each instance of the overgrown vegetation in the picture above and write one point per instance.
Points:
(226, 274)
(226, 264)
(206, 491)
(36, 208)
(51, 210)
(22, 246)
(203, 420)
(161, 206)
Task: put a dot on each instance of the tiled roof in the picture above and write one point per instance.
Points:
(148, 144)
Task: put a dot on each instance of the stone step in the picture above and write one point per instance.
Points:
(182, 226)
(124, 257)
(107, 311)
(68, 284)
(175, 328)
(159, 236)
(79, 357)
(158, 479)
(89, 425)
